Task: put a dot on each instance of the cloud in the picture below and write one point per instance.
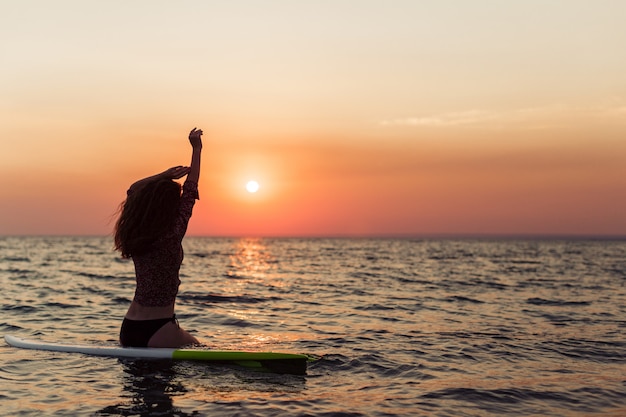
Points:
(448, 119)
(532, 117)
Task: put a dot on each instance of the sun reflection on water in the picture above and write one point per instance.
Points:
(251, 260)
(253, 277)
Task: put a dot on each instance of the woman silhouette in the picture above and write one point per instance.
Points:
(150, 230)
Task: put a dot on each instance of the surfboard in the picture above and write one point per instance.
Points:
(284, 363)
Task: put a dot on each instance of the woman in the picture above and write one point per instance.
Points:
(150, 230)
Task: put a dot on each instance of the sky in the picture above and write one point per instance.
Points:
(356, 117)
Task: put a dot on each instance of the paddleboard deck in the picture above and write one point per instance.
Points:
(284, 363)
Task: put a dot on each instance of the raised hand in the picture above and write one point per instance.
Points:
(195, 138)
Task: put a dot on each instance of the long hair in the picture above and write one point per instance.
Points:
(146, 215)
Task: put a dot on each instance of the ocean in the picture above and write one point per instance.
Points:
(403, 327)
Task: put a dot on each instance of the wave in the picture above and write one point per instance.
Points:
(556, 303)
(217, 298)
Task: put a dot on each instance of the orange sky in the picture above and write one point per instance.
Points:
(356, 117)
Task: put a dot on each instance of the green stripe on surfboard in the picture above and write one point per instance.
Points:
(288, 363)
(217, 355)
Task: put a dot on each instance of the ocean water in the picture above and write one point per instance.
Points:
(403, 328)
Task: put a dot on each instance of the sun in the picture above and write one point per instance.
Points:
(252, 186)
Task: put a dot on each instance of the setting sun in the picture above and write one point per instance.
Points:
(252, 186)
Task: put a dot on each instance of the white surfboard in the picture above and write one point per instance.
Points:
(277, 362)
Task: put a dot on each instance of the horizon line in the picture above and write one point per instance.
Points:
(381, 236)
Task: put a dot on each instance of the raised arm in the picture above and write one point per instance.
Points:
(174, 173)
(195, 138)
(170, 173)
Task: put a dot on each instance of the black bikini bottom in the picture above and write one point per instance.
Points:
(137, 333)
